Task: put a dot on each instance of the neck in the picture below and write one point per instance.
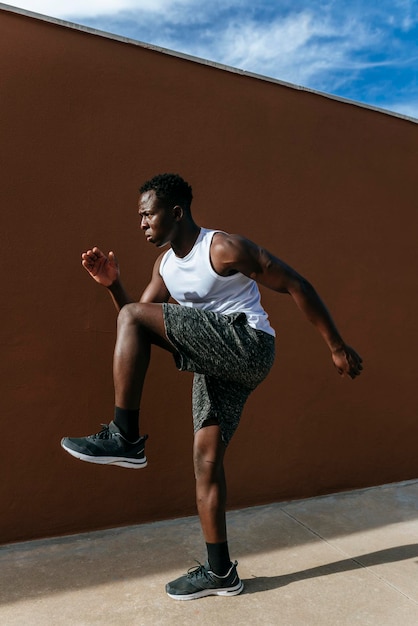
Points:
(185, 239)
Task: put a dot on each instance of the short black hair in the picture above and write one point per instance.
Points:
(170, 188)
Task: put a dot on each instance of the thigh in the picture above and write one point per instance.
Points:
(219, 401)
(149, 317)
(223, 346)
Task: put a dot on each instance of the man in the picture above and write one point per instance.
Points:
(220, 332)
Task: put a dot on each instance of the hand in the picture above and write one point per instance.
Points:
(104, 269)
(347, 361)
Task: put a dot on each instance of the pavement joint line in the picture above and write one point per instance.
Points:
(348, 557)
(385, 581)
(314, 532)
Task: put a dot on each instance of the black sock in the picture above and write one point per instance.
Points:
(127, 421)
(218, 557)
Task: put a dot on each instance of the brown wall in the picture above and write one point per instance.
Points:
(328, 186)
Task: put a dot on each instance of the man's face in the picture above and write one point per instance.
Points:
(157, 220)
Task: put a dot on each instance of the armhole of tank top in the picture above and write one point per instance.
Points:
(162, 263)
(222, 278)
(211, 268)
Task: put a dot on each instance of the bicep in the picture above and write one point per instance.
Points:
(259, 264)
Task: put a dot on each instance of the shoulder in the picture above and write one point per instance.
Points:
(231, 244)
(231, 252)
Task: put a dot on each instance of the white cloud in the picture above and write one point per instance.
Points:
(405, 14)
(327, 46)
(247, 43)
(298, 49)
(92, 8)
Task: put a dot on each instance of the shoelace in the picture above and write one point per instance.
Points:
(197, 570)
(104, 433)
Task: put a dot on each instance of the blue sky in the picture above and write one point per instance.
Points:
(362, 50)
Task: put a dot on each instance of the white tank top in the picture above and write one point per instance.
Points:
(193, 282)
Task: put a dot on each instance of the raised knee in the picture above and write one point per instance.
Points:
(129, 314)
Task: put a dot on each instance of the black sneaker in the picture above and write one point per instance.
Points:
(108, 447)
(200, 582)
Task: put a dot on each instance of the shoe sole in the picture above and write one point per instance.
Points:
(107, 460)
(227, 591)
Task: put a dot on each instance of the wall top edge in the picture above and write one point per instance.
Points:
(194, 59)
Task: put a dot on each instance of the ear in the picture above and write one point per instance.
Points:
(178, 213)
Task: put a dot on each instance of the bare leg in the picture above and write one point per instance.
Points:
(139, 326)
(219, 576)
(208, 456)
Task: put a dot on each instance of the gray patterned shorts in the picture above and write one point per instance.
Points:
(229, 359)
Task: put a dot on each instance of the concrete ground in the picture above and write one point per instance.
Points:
(339, 560)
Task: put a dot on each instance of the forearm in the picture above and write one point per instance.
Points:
(119, 295)
(311, 305)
